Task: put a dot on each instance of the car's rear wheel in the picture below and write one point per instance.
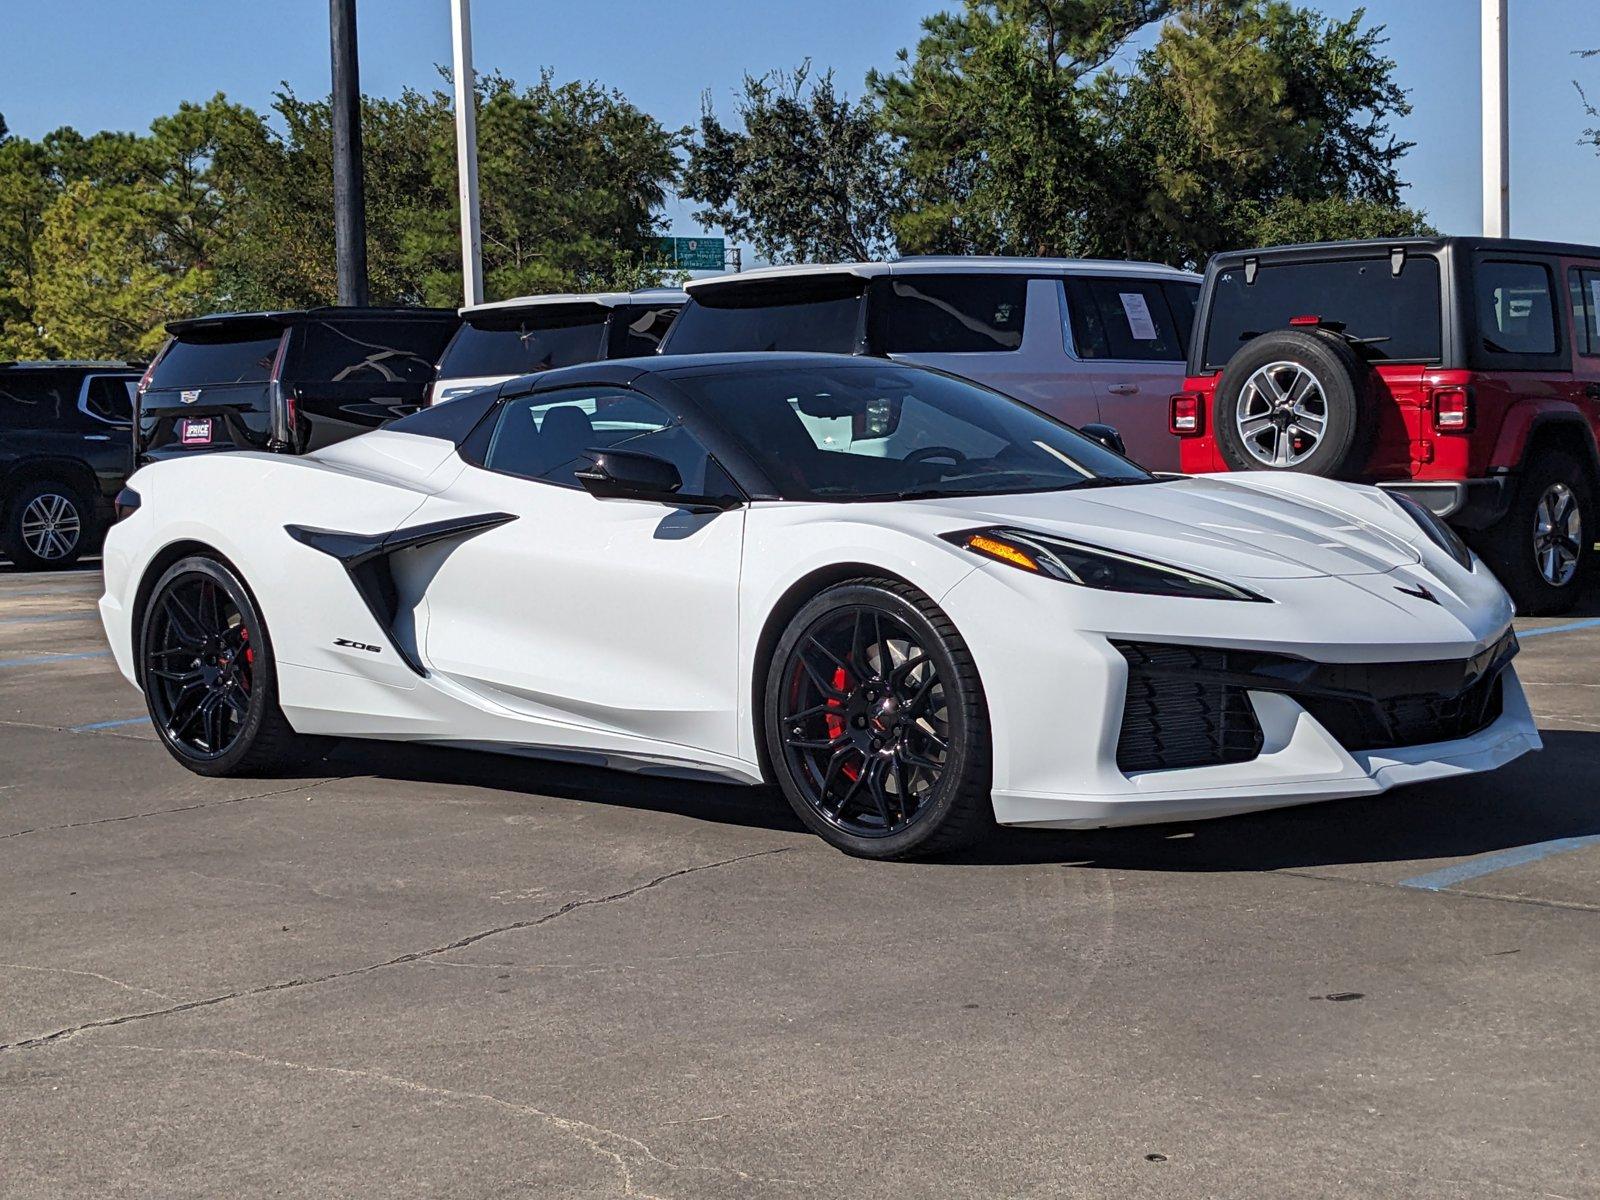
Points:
(45, 526)
(206, 666)
(875, 723)
(1542, 549)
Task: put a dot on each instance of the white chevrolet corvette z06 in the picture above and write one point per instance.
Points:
(907, 600)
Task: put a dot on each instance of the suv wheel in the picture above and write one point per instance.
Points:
(45, 526)
(1541, 550)
(1293, 400)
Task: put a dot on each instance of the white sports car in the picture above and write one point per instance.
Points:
(906, 600)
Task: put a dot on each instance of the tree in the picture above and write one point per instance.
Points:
(1017, 138)
(1591, 136)
(807, 176)
(571, 177)
(106, 237)
(992, 116)
(1243, 109)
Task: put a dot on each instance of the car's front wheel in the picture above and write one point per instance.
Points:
(206, 666)
(875, 723)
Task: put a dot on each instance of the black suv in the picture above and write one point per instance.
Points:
(64, 452)
(286, 381)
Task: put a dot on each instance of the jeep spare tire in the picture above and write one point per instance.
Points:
(1295, 400)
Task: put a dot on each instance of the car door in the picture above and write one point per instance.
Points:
(617, 616)
(1125, 327)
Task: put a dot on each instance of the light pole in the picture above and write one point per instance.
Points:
(466, 151)
(349, 199)
(1496, 124)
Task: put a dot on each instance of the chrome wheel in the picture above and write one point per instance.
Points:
(865, 726)
(51, 526)
(1557, 534)
(1282, 414)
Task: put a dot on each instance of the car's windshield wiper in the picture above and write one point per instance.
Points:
(1104, 481)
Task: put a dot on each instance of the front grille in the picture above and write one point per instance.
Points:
(1175, 716)
(1414, 720)
(1188, 706)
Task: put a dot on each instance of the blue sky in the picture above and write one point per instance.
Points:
(115, 64)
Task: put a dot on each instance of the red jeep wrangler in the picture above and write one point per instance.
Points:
(1463, 372)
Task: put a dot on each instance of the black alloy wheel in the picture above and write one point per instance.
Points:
(875, 723)
(207, 674)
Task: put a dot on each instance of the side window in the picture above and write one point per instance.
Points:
(954, 314)
(1516, 308)
(33, 400)
(110, 398)
(643, 329)
(547, 436)
(1586, 309)
(1124, 319)
(379, 352)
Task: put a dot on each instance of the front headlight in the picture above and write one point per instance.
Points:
(1440, 534)
(1092, 566)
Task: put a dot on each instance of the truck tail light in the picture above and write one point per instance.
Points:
(1452, 410)
(1185, 415)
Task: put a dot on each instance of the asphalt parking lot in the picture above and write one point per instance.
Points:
(433, 973)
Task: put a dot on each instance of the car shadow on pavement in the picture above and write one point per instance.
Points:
(1538, 798)
(720, 803)
(1535, 799)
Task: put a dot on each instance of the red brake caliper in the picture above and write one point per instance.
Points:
(249, 653)
(841, 683)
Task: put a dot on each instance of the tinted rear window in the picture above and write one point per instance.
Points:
(953, 314)
(1363, 293)
(643, 328)
(822, 317)
(397, 351)
(524, 344)
(1516, 308)
(110, 397)
(209, 362)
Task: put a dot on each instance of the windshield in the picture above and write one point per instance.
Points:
(1396, 316)
(521, 344)
(882, 432)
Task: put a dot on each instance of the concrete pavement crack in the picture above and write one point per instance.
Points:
(301, 785)
(284, 985)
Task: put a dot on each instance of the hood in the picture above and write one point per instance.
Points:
(1217, 526)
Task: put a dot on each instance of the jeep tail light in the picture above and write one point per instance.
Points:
(1303, 321)
(1184, 417)
(1452, 410)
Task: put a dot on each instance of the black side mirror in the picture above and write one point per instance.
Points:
(1106, 435)
(630, 475)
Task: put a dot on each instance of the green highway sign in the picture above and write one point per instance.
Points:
(692, 254)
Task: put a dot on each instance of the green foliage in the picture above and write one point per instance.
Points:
(809, 176)
(1591, 136)
(1291, 221)
(105, 238)
(1016, 140)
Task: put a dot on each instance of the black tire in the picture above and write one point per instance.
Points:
(47, 525)
(177, 655)
(906, 797)
(1517, 555)
(1339, 449)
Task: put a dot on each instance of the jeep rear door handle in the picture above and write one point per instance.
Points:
(1592, 390)
(1124, 389)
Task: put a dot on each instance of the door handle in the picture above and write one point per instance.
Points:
(1592, 391)
(1124, 389)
